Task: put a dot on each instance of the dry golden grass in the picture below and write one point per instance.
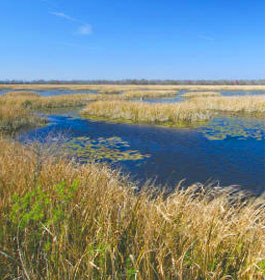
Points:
(137, 112)
(149, 93)
(16, 107)
(21, 94)
(39, 102)
(120, 88)
(14, 117)
(177, 114)
(193, 94)
(34, 101)
(237, 104)
(63, 221)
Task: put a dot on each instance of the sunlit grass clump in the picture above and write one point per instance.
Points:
(110, 88)
(41, 102)
(33, 100)
(21, 94)
(149, 94)
(60, 220)
(193, 94)
(236, 104)
(138, 112)
(14, 117)
(17, 108)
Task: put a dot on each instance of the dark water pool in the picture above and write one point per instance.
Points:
(227, 150)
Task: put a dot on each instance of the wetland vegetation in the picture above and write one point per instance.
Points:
(149, 93)
(136, 112)
(177, 114)
(67, 214)
(107, 88)
(60, 220)
(193, 94)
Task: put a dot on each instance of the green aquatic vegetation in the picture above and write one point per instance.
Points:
(112, 149)
(221, 128)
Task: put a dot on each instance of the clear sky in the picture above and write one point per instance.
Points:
(119, 39)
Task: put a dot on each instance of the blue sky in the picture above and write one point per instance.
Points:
(119, 39)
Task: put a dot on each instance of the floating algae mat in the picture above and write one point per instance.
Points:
(242, 129)
(112, 150)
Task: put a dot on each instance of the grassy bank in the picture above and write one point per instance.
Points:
(120, 88)
(14, 117)
(193, 94)
(17, 108)
(21, 93)
(62, 221)
(165, 114)
(179, 114)
(149, 94)
(237, 104)
(34, 101)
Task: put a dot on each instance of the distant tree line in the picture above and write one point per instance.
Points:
(141, 82)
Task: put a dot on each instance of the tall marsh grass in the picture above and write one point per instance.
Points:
(60, 220)
(119, 88)
(193, 94)
(178, 114)
(14, 117)
(40, 102)
(138, 112)
(33, 100)
(149, 93)
(16, 108)
(21, 94)
(237, 104)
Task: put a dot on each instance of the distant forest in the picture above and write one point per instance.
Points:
(141, 82)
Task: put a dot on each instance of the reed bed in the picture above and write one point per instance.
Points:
(34, 101)
(60, 220)
(14, 117)
(149, 94)
(17, 107)
(237, 104)
(179, 114)
(61, 101)
(21, 94)
(193, 94)
(119, 88)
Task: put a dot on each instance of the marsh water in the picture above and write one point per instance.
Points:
(51, 92)
(177, 98)
(227, 150)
